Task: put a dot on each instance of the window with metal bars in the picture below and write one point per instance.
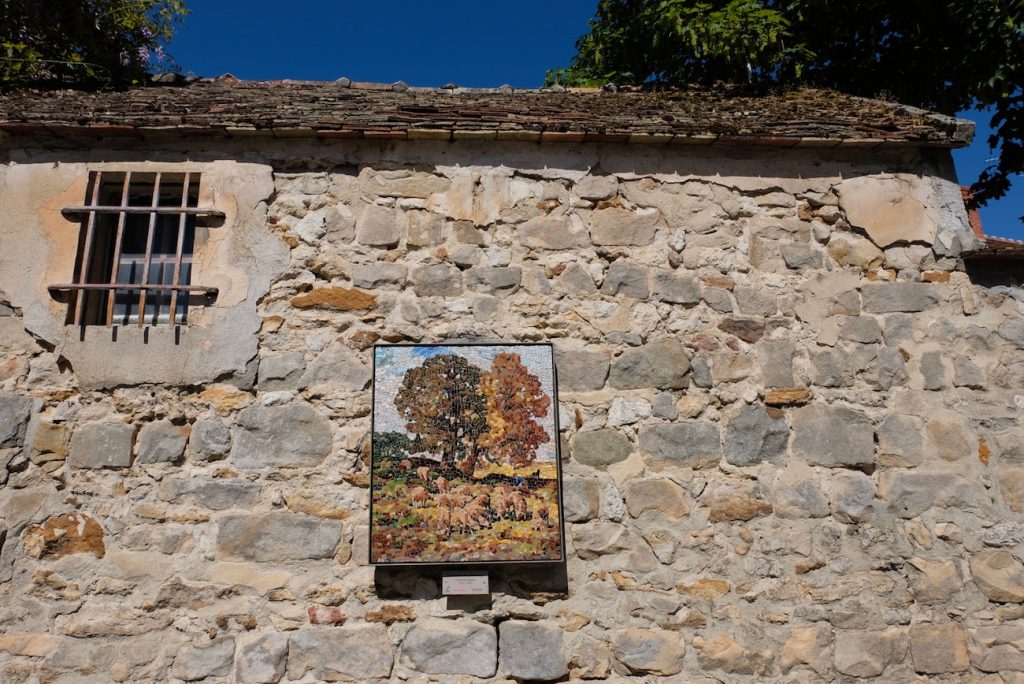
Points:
(134, 262)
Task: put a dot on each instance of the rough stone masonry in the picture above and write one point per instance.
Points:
(791, 433)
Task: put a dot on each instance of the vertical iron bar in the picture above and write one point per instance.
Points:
(112, 294)
(87, 251)
(83, 274)
(177, 254)
(149, 252)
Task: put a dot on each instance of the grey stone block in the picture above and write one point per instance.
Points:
(451, 647)
(531, 650)
(833, 436)
(753, 436)
(102, 445)
(15, 410)
(281, 371)
(662, 364)
(276, 537)
(600, 448)
(162, 442)
(893, 297)
(209, 440)
(581, 370)
(280, 436)
(687, 444)
(348, 653)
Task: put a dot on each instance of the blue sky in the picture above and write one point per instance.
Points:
(469, 42)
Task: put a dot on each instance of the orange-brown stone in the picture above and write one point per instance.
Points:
(788, 397)
(62, 535)
(705, 588)
(335, 297)
(390, 613)
(935, 276)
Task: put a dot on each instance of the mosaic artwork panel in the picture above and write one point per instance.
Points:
(465, 455)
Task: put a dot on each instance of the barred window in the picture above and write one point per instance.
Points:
(134, 261)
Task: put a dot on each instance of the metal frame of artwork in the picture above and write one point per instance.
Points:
(501, 517)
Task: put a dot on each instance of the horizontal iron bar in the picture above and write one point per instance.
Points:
(193, 211)
(209, 291)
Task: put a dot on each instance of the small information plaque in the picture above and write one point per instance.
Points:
(464, 584)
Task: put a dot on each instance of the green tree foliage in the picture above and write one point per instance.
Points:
(84, 43)
(944, 55)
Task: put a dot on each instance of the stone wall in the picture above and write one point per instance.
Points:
(791, 439)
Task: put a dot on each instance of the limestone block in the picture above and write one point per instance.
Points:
(853, 496)
(591, 658)
(886, 209)
(675, 288)
(402, 183)
(999, 575)
(451, 647)
(997, 648)
(437, 280)
(600, 448)
(200, 660)
(216, 495)
(101, 445)
(293, 435)
(581, 369)
(810, 647)
(662, 495)
(933, 582)
(33, 645)
(898, 297)
(626, 280)
(686, 444)
(15, 409)
(379, 274)
(423, 229)
(531, 650)
(796, 493)
(1012, 330)
(624, 412)
(340, 223)
(900, 442)
(575, 280)
(260, 657)
(848, 249)
(967, 374)
(311, 227)
(1011, 484)
(596, 187)
(722, 653)
(756, 300)
(621, 227)
(465, 256)
(776, 357)
(933, 369)
(162, 442)
(939, 648)
(276, 537)
(887, 370)
(44, 437)
(581, 498)
(209, 440)
(799, 255)
(649, 651)
(753, 435)
(348, 653)
(553, 232)
(832, 436)
(601, 538)
(664, 406)
(911, 493)
(281, 371)
(868, 654)
(733, 501)
(379, 226)
(336, 367)
(862, 329)
(500, 281)
(661, 364)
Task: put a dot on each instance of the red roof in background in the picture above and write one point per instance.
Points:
(995, 247)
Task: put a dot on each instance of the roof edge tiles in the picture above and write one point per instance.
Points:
(228, 107)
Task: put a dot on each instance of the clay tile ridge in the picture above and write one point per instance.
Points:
(347, 109)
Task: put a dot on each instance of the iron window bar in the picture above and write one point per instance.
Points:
(86, 280)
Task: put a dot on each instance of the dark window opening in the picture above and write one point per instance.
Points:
(134, 261)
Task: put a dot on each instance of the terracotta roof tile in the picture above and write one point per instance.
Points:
(396, 111)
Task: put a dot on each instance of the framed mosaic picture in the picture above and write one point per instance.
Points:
(464, 460)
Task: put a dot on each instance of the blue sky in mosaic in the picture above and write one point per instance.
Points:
(391, 364)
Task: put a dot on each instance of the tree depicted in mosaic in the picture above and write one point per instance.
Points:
(444, 409)
(514, 398)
